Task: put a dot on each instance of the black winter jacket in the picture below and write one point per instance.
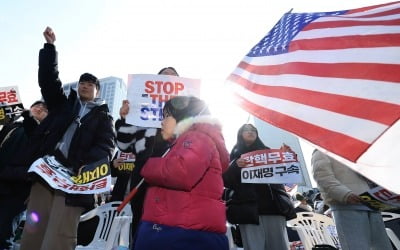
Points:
(14, 142)
(93, 139)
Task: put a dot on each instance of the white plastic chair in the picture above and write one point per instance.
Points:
(387, 216)
(19, 222)
(232, 245)
(119, 232)
(104, 237)
(315, 229)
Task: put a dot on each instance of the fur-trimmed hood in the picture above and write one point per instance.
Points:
(185, 124)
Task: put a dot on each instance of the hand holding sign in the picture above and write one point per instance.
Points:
(353, 199)
(286, 148)
(124, 110)
(241, 163)
(118, 162)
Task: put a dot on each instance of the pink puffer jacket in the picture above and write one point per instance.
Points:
(186, 184)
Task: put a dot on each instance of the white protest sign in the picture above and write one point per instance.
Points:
(271, 166)
(10, 104)
(93, 178)
(147, 95)
(9, 95)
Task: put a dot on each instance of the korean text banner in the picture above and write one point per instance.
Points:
(332, 79)
(147, 95)
(92, 179)
(10, 104)
(271, 166)
(379, 198)
(128, 162)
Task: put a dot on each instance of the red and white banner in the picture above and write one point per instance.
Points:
(93, 178)
(127, 157)
(128, 161)
(381, 199)
(147, 95)
(10, 104)
(332, 78)
(271, 166)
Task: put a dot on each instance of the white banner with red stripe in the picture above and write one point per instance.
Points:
(271, 166)
(92, 179)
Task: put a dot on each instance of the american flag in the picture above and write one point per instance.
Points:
(291, 188)
(332, 78)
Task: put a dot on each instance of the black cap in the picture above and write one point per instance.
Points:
(181, 107)
(170, 68)
(39, 102)
(87, 77)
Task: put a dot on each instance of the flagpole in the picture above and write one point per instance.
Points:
(130, 196)
(135, 189)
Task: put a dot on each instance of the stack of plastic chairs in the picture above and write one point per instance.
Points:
(392, 219)
(315, 229)
(232, 245)
(113, 228)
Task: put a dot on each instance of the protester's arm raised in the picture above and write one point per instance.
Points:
(50, 84)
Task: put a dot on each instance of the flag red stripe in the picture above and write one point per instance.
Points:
(346, 146)
(348, 23)
(351, 106)
(383, 13)
(369, 8)
(346, 42)
(367, 71)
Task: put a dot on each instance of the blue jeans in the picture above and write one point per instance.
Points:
(361, 230)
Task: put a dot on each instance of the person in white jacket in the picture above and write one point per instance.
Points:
(359, 227)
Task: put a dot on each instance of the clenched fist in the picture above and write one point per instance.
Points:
(49, 35)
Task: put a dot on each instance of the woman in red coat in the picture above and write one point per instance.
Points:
(183, 207)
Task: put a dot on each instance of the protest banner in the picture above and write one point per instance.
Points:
(10, 104)
(271, 166)
(147, 95)
(128, 162)
(92, 179)
(380, 198)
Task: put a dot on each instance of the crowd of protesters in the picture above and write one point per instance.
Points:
(182, 169)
